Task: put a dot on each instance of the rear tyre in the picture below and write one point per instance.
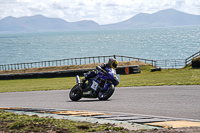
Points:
(76, 93)
(104, 95)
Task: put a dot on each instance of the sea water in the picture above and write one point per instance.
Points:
(153, 44)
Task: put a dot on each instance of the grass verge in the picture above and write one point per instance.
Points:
(10, 122)
(186, 76)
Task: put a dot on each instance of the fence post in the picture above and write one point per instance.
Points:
(185, 62)
(93, 60)
(67, 61)
(99, 59)
(175, 63)
(75, 61)
(85, 60)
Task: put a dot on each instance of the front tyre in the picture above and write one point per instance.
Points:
(76, 93)
(104, 95)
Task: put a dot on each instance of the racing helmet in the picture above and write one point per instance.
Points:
(113, 63)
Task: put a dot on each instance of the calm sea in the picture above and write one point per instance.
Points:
(154, 44)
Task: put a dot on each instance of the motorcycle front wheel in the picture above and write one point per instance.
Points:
(76, 93)
(104, 95)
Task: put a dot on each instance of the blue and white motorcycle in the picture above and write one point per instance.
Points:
(102, 86)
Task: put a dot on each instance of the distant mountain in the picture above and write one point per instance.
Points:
(164, 18)
(42, 23)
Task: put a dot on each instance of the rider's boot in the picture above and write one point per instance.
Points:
(83, 80)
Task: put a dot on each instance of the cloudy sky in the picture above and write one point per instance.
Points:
(100, 11)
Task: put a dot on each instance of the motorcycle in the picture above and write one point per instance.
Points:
(101, 86)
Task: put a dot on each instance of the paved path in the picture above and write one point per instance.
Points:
(170, 101)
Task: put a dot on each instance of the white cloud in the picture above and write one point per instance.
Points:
(102, 12)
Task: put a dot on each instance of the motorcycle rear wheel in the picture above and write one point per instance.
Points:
(76, 93)
(107, 94)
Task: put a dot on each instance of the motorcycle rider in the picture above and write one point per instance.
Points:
(112, 63)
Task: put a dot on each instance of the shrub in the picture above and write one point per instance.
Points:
(196, 62)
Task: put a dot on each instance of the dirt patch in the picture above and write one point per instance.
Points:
(166, 130)
(68, 67)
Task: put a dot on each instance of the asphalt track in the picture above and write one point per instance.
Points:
(169, 101)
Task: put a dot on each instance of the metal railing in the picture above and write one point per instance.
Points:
(71, 61)
(189, 59)
(171, 63)
(127, 58)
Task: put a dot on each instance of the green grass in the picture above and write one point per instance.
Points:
(36, 84)
(185, 76)
(10, 122)
(164, 77)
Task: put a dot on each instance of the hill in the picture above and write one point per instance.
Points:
(39, 23)
(164, 18)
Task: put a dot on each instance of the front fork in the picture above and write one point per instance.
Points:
(77, 80)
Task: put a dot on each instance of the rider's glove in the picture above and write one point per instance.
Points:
(104, 71)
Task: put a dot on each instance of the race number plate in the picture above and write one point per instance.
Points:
(94, 85)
